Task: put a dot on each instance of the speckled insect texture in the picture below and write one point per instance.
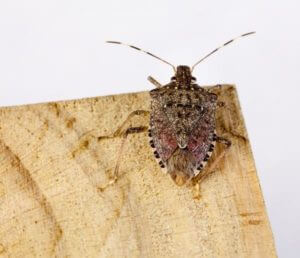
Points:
(182, 127)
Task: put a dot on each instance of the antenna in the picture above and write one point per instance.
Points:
(137, 48)
(225, 44)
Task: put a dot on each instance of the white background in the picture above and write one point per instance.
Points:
(54, 50)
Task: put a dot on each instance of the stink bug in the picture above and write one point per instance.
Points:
(182, 127)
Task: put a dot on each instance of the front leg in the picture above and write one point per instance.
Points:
(155, 82)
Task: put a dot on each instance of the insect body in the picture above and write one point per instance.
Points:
(182, 126)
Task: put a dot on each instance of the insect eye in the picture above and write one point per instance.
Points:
(173, 78)
(194, 78)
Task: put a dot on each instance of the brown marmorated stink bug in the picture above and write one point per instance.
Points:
(182, 126)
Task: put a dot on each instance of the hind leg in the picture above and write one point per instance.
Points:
(210, 169)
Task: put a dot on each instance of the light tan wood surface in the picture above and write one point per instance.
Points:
(53, 167)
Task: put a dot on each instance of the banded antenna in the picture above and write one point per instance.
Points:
(148, 53)
(225, 44)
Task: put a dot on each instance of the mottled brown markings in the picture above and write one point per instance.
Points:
(187, 115)
(32, 187)
(189, 98)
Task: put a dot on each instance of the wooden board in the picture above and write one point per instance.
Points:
(52, 169)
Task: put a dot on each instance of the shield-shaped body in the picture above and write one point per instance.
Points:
(182, 126)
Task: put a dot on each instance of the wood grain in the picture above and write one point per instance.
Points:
(53, 166)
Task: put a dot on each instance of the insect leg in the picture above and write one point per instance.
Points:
(153, 81)
(123, 133)
(210, 169)
(119, 132)
(213, 165)
(225, 141)
(130, 130)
